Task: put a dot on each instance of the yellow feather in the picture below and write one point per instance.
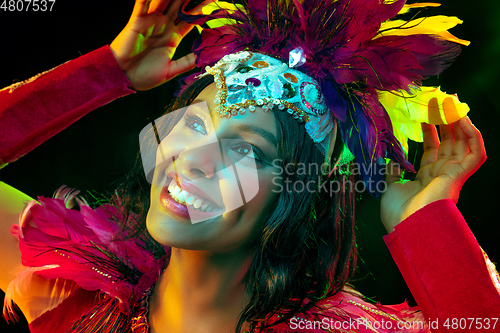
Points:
(433, 25)
(428, 105)
(407, 8)
(208, 9)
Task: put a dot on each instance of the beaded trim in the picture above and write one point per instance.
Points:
(377, 312)
(14, 86)
(109, 276)
(140, 322)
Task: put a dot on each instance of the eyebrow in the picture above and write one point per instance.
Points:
(271, 138)
(196, 101)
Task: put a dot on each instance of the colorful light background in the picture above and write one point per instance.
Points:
(101, 147)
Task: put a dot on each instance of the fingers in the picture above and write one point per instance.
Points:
(477, 154)
(431, 144)
(393, 173)
(461, 147)
(141, 8)
(181, 65)
(172, 9)
(447, 140)
(184, 28)
(159, 6)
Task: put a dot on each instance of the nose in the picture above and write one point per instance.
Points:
(201, 161)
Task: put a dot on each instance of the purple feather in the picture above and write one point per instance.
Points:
(344, 54)
(335, 102)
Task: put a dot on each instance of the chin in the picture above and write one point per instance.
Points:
(219, 234)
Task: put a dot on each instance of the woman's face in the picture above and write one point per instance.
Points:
(215, 186)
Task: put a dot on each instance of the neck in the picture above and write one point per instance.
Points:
(200, 288)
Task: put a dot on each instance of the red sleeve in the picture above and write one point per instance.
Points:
(444, 267)
(35, 110)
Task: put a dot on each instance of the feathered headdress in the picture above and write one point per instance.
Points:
(369, 67)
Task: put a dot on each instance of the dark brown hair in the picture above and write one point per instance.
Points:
(306, 249)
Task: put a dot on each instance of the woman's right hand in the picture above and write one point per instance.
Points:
(146, 45)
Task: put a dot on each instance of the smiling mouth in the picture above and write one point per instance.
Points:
(191, 200)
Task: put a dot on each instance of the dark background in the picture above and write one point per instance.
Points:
(100, 148)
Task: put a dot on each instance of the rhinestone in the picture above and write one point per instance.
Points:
(296, 57)
(244, 69)
(260, 64)
(291, 77)
(251, 108)
(253, 81)
(289, 91)
(236, 87)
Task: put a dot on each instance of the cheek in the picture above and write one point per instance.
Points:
(170, 147)
(266, 192)
(270, 188)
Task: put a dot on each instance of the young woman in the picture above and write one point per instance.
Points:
(229, 255)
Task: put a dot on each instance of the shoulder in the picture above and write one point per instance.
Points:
(85, 247)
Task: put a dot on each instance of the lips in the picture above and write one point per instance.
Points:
(187, 201)
(192, 189)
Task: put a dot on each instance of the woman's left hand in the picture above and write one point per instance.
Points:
(444, 168)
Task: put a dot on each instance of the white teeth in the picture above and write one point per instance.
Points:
(182, 197)
(189, 199)
(197, 203)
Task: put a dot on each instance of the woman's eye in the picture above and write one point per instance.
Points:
(196, 124)
(246, 153)
(243, 149)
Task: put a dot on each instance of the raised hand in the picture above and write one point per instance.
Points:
(145, 47)
(444, 168)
